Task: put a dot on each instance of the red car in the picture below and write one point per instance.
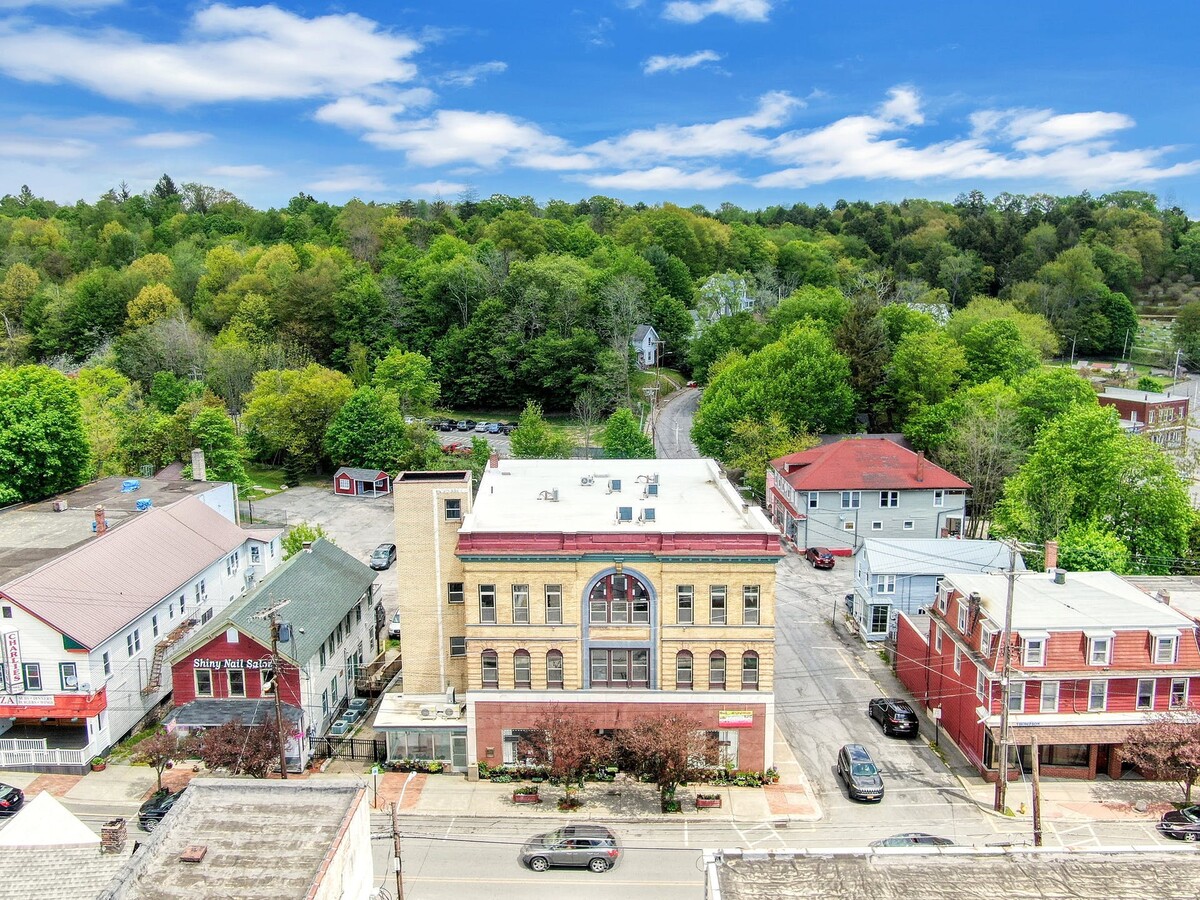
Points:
(819, 557)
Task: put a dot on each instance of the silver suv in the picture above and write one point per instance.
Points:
(584, 846)
(857, 769)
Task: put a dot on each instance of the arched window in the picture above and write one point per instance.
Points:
(491, 668)
(619, 600)
(522, 669)
(716, 671)
(749, 671)
(554, 669)
(683, 670)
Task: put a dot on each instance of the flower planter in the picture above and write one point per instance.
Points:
(526, 798)
(708, 803)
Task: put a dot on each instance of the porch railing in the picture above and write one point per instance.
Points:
(20, 759)
(10, 744)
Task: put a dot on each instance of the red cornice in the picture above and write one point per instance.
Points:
(552, 542)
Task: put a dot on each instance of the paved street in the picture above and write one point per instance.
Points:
(672, 432)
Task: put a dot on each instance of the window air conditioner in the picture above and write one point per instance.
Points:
(429, 711)
(451, 711)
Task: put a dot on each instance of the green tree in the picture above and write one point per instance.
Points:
(1090, 547)
(369, 431)
(662, 749)
(925, 368)
(43, 444)
(1085, 468)
(534, 438)
(755, 442)
(409, 376)
(288, 412)
(1186, 330)
(211, 429)
(1046, 393)
(995, 349)
(1153, 385)
(106, 398)
(621, 437)
(800, 377)
(300, 534)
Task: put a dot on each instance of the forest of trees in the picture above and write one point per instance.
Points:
(142, 325)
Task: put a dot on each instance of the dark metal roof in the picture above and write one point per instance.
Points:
(208, 712)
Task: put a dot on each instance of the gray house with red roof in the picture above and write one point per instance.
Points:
(838, 495)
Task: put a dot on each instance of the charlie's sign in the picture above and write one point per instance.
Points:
(264, 663)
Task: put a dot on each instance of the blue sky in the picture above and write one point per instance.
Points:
(755, 102)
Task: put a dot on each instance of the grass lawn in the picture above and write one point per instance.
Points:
(267, 480)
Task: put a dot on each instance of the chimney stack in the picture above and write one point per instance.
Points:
(494, 461)
(1164, 596)
(920, 465)
(112, 836)
(101, 522)
(199, 473)
(1051, 555)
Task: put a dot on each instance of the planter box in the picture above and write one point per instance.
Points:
(526, 798)
(708, 804)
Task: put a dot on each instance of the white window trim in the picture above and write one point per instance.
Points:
(1104, 705)
(1026, 657)
(814, 499)
(1044, 707)
(937, 638)
(885, 584)
(1173, 643)
(1108, 643)
(957, 659)
(1016, 695)
(939, 498)
(1186, 691)
(1138, 693)
(851, 499)
(877, 526)
(909, 525)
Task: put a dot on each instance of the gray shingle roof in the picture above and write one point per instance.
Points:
(360, 474)
(207, 712)
(95, 590)
(58, 873)
(321, 585)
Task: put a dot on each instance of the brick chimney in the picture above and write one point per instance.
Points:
(494, 461)
(920, 465)
(199, 470)
(1051, 555)
(112, 836)
(101, 522)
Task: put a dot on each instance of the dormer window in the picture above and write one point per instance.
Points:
(1099, 651)
(1035, 652)
(1164, 649)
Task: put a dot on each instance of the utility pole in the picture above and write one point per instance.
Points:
(272, 613)
(397, 862)
(1005, 672)
(1037, 797)
(1178, 353)
(1072, 351)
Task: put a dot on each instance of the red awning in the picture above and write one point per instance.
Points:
(53, 706)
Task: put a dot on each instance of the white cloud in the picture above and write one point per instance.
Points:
(657, 64)
(98, 125)
(438, 188)
(873, 147)
(726, 137)
(248, 173)
(245, 53)
(689, 12)
(468, 76)
(373, 113)
(348, 180)
(40, 148)
(170, 140)
(665, 178)
(903, 106)
(484, 139)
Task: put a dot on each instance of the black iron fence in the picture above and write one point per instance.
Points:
(370, 750)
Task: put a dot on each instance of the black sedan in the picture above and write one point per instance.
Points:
(153, 810)
(11, 800)
(896, 716)
(1182, 824)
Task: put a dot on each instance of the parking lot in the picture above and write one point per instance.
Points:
(356, 524)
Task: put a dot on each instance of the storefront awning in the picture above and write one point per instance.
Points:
(1023, 736)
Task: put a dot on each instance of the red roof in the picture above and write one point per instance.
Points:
(863, 464)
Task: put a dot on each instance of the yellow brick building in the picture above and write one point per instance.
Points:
(616, 589)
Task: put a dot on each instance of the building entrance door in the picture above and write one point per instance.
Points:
(458, 751)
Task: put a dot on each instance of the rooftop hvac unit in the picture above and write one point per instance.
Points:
(452, 711)
(551, 495)
(429, 711)
(587, 480)
(60, 505)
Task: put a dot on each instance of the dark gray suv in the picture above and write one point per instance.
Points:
(584, 846)
(857, 769)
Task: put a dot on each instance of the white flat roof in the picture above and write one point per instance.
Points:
(693, 496)
(1087, 600)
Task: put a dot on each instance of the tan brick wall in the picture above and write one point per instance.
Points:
(701, 638)
(426, 562)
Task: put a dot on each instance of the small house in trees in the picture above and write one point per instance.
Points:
(361, 482)
(645, 342)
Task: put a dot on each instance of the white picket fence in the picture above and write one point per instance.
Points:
(23, 753)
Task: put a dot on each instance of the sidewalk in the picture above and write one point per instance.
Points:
(791, 799)
(1068, 799)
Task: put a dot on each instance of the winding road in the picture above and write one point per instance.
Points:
(673, 428)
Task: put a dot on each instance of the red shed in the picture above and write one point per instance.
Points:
(361, 482)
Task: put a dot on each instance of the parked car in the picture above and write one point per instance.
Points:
(692, 384)
(493, 428)
(465, 425)
(819, 557)
(159, 804)
(584, 846)
(482, 427)
(508, 427)
(1181, 824)
(11, 800)
(394, 625)
(896, 716)
(913, 839)
(856, 768)
(383, 556)
(448, 425)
